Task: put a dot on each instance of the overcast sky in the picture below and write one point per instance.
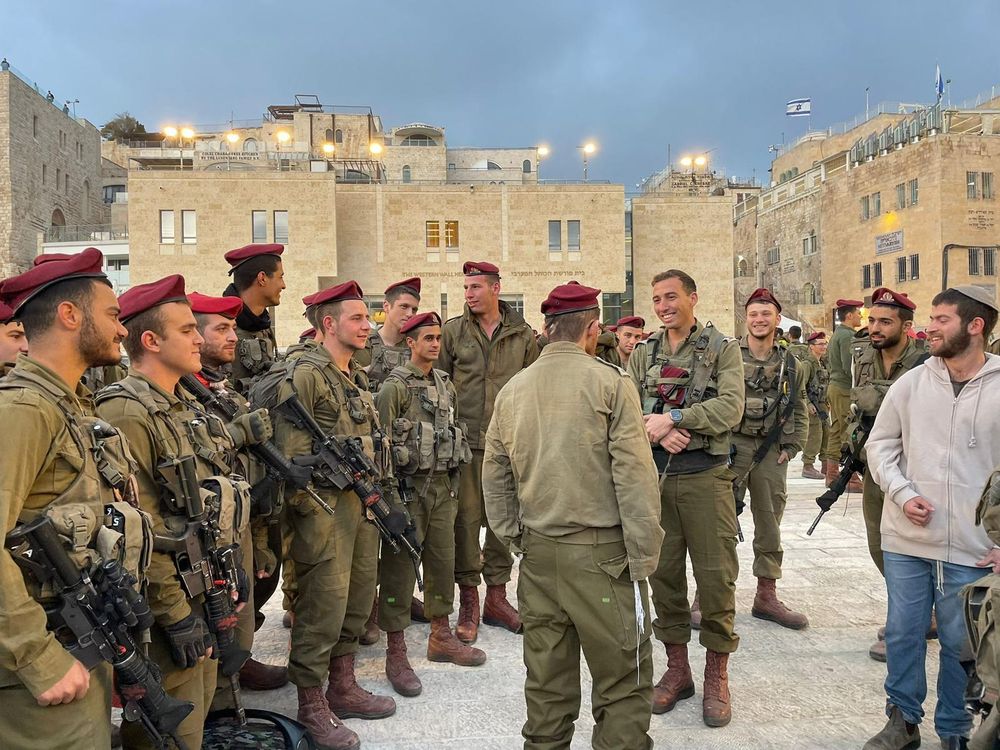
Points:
(632, 76)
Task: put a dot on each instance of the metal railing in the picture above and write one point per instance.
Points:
(84, 233)
(27, 80)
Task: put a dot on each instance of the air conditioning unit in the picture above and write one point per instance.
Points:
(899, 135)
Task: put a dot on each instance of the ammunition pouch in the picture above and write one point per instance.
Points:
(255, 354)
(988, 510)
(231, 498)
(982, 606)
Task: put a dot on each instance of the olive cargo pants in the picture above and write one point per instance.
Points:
(840, 414)
(818, 437)
(497, 562)
(574, 593)
(767, 487)
(872, 500)
(698, 517)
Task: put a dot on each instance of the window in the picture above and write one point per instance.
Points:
(743, 268)
(406, 173)
(901, 195)
(34, 125)
(865, 208)
(809, 244)
(989, 261)
(58, 177)
(85, 199)
(432, 235)
(111, 193)
(913, 192)
(189, 227)
(878, 273)
(526, 166)
(876, 204)
(975, 253)
(971, 185)
(166, 226)
(250, 146)
(258, 220)
(281, 227)
(987, 182)
(66, 184)
(901, 268)
(328, 136)
(809, 296)
(914, 267)
(866, 277)
(117, 271)
(451, 240)
(516, 301)
(773, 255)
(338, 136)
(45, 171)
(555, 240)
(493, 165)
(451, 166)
(573, 239)
(417, 139)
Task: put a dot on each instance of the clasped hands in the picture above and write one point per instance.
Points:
(661, 430)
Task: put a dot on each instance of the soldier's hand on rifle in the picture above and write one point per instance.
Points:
(676, 441)
(812, 410)
(71, 687)
(991, 559)
(783, 458)
(658, 426)
(300, 474)
(242, 593)
(918, 511)
(190, 641)
(251, 429)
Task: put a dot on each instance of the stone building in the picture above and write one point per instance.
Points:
(50, 173)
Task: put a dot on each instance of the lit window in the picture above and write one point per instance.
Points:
(432, 239)
(451, 239)
(166, 226)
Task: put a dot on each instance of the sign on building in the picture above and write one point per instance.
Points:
(889, 243)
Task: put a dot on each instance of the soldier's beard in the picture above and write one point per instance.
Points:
(95, 349)
(886, 343)
(213, 356)
(952, 346)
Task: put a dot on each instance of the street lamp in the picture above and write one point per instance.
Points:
(588, 149)
(329, 148)
(700, 161)
(232, 137)
(283, 137)
(375, 149)
(543, 151)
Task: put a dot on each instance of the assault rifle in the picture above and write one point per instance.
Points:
(206, 568)
(278, 467)
(342, 463)
(94, 619)
(813, 395)
(850, 463)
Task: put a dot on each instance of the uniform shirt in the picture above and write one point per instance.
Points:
(480, 366)
(36, 469)
(839, 356)
(793, 434)
(379, 359)
(572, 416)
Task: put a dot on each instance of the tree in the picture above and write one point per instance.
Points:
(123, 127)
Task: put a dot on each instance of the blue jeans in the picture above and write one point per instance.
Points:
(914, 585)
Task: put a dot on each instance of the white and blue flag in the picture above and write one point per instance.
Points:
(799, 108)
(939, 83)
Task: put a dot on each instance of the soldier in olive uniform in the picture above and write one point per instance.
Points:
(49, 698)
(416, 403)
(629, 333)
(334, 556)
(587, 546)
(819, 409)
(216, 317)
(839, 392)
(607, 346)
(888, 354)
(481, 350)
(775, 410)
(386, 348)
(12, 339)
(165, 429)
(807, 372)
(690, 380)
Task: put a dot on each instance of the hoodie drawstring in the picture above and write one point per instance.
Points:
(975, 413)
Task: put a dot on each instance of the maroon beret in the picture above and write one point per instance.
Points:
(347, 290)
(632, 321)
(887, 298)
(5, 313)
(570, 297)
(818, 336)
(762, 295)
(309, 333)
(423, 319)
(49, 257)
(921, 335)
(17, 290)
(143, 297)
(613, 329)
(227, 307)
(241, 255)
(480, 268)
(412, 283)
(849, 303)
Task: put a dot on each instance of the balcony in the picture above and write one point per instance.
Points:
(89, 233)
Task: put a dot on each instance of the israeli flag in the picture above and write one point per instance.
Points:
(939, 83)
(799, 108)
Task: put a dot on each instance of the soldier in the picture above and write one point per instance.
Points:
(70, 311)
(173, 439)
(12, 339)
(690, 379)
(481, 350)
(386, 348)
(417, 404)
(629, 333)
(818, 433)
(807, 374)
(216, 318)
(839, 367)
(607, 346)
(882, 361)
(587, 546)
(334, 556)
(775, 415)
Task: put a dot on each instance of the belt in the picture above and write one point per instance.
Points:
(584, 536)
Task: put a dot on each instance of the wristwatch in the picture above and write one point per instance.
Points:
(676, 415)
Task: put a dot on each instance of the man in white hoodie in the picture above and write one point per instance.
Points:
(931, 462)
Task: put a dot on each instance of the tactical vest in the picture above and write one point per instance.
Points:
(869, 390)
(768, 388)
(97, 517)
(426, 438)
(677, 381)
(385, 359)
(255, 352)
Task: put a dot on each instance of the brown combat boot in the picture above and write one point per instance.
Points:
(498, 612)
(877, 651)
(766, 606)
(255, 675)
(417, 611)
(444, 646)
(696, 612)
(716, 710)
(371, 634)
(467, 628)
(832, 470)
(397, 667)
(324, 727)
(676, 683)
(809, 472)
(348, 700)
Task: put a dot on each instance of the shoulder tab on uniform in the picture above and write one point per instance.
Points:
(456, 317)
(612, 365)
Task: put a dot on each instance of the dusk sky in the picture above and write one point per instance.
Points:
(634, 77)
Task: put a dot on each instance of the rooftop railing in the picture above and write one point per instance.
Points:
(85, 233)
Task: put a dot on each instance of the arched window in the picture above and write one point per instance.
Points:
(418, 139)
(338, 137)
(809, 294)
(406, 173)
(329, 135)
(526, 166)
(493, 165)
(250, 146)
(223, 145)
(744, 268)
(58, 220)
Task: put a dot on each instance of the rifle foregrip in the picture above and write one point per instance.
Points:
(41, 534)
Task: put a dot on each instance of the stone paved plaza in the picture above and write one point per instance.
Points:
(815, 688)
